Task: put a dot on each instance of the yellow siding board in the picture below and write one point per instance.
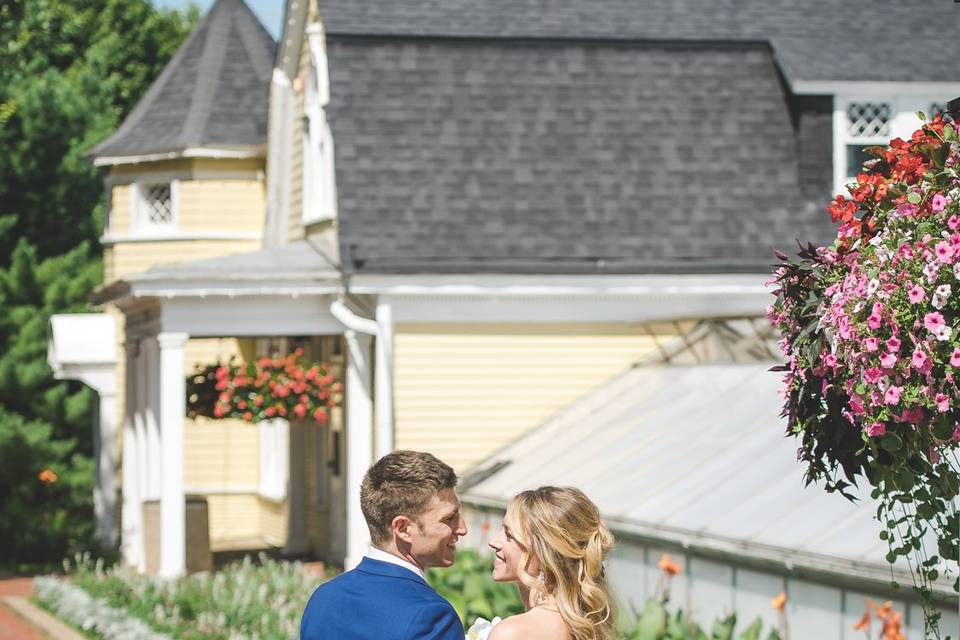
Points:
(135, 257)
(218, 205)
(131, 171)
(120, 210)
(233, 517)
(273, 522)
(464, 391)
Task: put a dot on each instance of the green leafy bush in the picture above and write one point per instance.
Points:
(467, 585)
(656, 623)
(262, 599)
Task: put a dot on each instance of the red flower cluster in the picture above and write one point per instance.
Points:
(284, 387)
(888, 180)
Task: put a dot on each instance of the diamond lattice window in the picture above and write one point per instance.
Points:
(158, 204)
(868, 119)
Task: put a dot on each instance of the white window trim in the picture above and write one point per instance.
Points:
(903, 122)
(319, 184)
(140, 227)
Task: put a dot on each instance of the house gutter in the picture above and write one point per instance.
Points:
(382, 330)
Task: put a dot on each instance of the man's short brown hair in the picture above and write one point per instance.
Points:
(401, 483)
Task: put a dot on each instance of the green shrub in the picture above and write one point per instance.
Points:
(467, 585)
(246, 599)
(656, 623)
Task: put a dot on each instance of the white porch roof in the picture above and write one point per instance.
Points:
(694, 455)
(295, 268)
(81, 339)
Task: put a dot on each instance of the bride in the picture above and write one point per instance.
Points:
(552, 547)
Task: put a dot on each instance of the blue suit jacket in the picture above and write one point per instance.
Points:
(379, 601)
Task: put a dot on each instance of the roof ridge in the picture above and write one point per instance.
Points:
(208, 76)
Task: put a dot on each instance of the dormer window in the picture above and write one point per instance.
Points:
(155, 206)
(869, 121)
(868, 125)
(319, 188)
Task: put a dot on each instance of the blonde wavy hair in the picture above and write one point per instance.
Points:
(560, 528)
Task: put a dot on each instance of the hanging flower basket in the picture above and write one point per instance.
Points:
(285, 387)
(871, 331)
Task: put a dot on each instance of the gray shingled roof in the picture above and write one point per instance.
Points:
(214, 92)
(571, 157)
(813, 39)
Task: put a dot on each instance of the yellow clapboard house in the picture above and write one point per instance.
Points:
(372, 199)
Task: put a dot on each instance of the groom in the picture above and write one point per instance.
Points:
(413, 514)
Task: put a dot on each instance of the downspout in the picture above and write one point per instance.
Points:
(382, 330)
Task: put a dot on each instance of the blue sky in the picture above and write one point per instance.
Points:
(270, 12)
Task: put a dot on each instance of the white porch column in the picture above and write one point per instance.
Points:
(384, 378)
(143, 459)
(172, 410)
(359, 407)
(105, 493)
(151, 415)
(131, 524)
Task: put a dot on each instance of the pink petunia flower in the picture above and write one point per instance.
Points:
(856, 405)
(893, 343)
(889, 360)
(955, 357)
(938, 203)
(953, 222)
(830, 360)
(876, 429)
(907, 209)
(919, 360)
(916, 294)
(892, 396)
(933, 321)
(944, 252)
(871, 344)
(942, 401)
(872, 375)
(913, 415)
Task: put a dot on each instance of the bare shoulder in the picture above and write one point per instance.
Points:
(532, 625)
(513, 628)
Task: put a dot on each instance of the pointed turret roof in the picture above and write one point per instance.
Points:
(212, 95)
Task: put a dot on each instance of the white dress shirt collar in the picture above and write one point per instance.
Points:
(379, 554)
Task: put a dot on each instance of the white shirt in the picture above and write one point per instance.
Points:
(379, 554)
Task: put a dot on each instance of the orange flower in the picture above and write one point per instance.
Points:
(884, 610)
(779, 602)
(668, 566)
(864, 624)
(47, 476)
(891, 627)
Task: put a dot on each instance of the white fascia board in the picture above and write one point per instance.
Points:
(239, 288)
(553, 285)
(165, 236)
(237, 153)
(267, 315)
(867, 88)
(571, 299)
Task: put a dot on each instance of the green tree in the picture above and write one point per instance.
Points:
(70, 70)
